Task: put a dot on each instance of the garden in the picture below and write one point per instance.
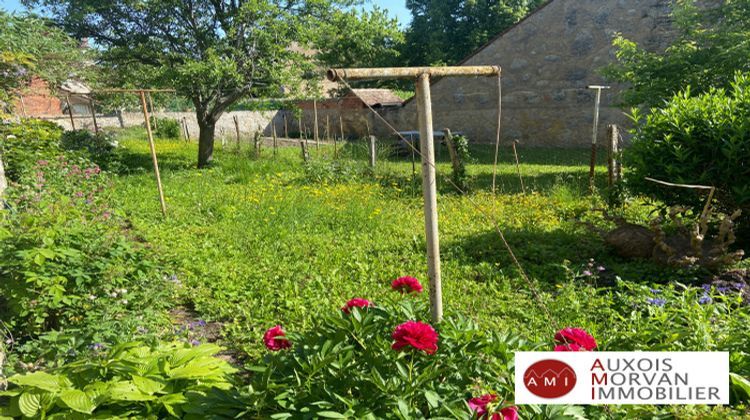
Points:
(273, 281)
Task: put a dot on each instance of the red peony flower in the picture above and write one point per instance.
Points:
(275, 339)
(417, 335)
(480, 406)
(356, 302)
(406, 285)
(574, 339)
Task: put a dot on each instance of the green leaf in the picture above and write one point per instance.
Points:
(41, 380)
(331, 415)
(148, 386)
(29, 403)
(432, 398)
(740, 383)
(281, 416)
(78, 401)
(127, 391)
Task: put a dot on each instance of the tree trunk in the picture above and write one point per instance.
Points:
(206, 141)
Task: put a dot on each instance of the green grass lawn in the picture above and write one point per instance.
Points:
(261, 242)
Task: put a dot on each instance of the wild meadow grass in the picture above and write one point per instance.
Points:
(260, 242)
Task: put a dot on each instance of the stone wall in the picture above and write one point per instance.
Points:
(547, 60)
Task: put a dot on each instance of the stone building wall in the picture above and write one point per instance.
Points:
(548, 59)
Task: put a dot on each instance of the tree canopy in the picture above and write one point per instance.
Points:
(33, 47)
(711, 44)
(446, 31)
(214, 52)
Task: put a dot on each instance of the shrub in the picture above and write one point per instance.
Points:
(22, 145)
(696, 140)
(131, 380)
(166, 128)
(100, 147)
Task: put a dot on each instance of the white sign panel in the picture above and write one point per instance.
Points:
(622, 378)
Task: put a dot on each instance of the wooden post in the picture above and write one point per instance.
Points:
(151, 105)
(153, 154)
(237, 129)
(426, 138)
(595, 134)
(301, 129)
(257, 143)
(286, 128)
(413, 157)
(120, 119)
(518, 166)
(373, 151)
(273, 133)
(70, 112)
(93, 115)
(315, 128)
(455, 160)
(187, 129)
(305, 155)
(614, 166)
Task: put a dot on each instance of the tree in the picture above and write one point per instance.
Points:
(711, 44)
(446, 31)
(213, 51)
(33, 47)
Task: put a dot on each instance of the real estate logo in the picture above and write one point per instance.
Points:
(622, 378)
(549, 378)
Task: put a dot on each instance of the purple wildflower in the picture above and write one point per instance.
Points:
(601, 268)
(656, 301)
(195, 342)
(705, 299)
(587, 273)
(655, 291)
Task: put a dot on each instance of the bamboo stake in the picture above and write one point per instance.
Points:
(595, 133)
(426, 137)
(237, 130)
(305, 154)
(152, 146)
(70, 112)
(315, 128)
(187, 129)
(518, 166)
(286, 128)
(373, 152)
(273, 132)
(93, 115)
(341, 126)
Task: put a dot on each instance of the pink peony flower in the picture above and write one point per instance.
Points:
(275, 339)
(416, 335)
(406, 285)
(480, 406)
(574, 339)
(356, 302)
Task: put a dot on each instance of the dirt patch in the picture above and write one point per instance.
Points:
(191, 328)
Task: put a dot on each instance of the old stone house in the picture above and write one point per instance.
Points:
(548, 59)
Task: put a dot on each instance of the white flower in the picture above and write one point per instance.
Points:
(124, 302)
(92, 297)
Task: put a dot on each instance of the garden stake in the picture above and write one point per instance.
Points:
(23, 105)
(315, 128)
(237, 130)
(286, 128)
(614, 167)
(597, 103)
(153, 154)
(93, 115)
(70, 112)
(273, 133)
(497, 133)
(518, 166)
(305, 155)
(372, 151)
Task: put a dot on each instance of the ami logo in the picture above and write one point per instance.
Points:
(549, 378)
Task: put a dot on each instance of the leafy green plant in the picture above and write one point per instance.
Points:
(701, 140)
(23, 145)
(346, 366)
(129, 380)
(166, 128)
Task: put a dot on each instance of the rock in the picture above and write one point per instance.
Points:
(631, 241)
